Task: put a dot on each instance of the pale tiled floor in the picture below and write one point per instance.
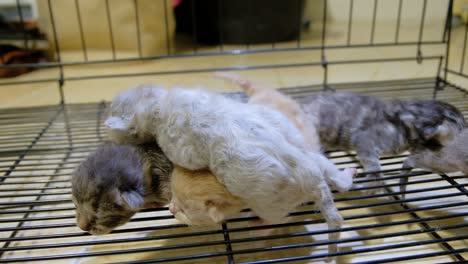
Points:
(105, 88)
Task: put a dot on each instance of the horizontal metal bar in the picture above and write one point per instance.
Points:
(419, 256)
(218, 53)
(235, 68)
(456, 73)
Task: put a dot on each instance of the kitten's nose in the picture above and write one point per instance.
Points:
(84, 225)
(173, 209)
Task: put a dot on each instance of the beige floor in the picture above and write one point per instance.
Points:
(105, 88)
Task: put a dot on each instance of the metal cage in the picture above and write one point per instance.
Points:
(41, 145)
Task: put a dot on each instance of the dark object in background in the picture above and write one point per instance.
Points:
(10, 54)
(16, 30)
(240, 21)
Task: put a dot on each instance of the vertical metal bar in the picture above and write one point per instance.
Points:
(102, 106)
(228, 243)
(397, 32)
(462, 64)
(438, 86)
(323, 58)
(299, 23)
(350, 22)
(109, 22)
(248, 31)
(137, 20)
(20, 14)
(374, 17)
(220, 25)
(57, 51)
(194, 27)
(421, 30)
(80, 26)
(324, 28)
(166, 20)
(273, 39)
(67, 127)
(448, 35)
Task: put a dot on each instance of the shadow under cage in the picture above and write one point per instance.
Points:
(391, 49)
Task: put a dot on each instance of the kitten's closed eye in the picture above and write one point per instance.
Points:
(113, 221)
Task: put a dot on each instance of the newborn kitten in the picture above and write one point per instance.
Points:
(117, 181)
(199, 199)
(253, 150)
(373, 127)
(292, 110)
(451, 158)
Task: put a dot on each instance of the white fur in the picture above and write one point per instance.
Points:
(252, 149)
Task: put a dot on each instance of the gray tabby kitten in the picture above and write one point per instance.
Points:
(117, 181)
(373, 127)
(451, 158)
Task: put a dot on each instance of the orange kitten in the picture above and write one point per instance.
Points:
(280, 102)
(199, 199)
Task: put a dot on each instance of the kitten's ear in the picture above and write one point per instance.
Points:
(116, 123)
(407, 118)
(218, 210)
(216, 214)
(132, 200)
(429, 132)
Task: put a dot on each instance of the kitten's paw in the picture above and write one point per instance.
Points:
(345, 182)
(350, 171)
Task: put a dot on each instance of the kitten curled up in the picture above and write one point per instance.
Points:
(253, 150)
(451, 158)
(292, 110)
(116, 181)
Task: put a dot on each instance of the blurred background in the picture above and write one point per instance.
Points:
(77, 43)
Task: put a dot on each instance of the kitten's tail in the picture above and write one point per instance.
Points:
(246, 85)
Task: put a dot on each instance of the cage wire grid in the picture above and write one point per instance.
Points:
(40, 147)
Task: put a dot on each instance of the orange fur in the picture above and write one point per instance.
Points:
(199, 199)
(280, 102)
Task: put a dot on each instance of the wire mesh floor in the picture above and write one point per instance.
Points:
(39, 147)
